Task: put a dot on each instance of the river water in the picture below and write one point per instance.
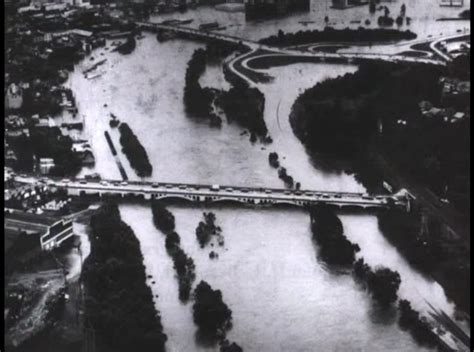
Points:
(281, 296)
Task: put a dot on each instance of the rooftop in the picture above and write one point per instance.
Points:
(29, 218)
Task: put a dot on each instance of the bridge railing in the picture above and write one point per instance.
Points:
(223, 189)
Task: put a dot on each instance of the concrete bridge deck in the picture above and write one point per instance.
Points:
(214, 193)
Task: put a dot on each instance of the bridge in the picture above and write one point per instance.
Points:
(295, 51)
(199, 193)
(199, 33)
(259, 51)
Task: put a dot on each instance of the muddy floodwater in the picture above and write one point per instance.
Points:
(282, 297)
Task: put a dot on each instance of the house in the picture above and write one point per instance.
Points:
(45, 165)
(50, 231)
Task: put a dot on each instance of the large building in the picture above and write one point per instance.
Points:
(261, 9)
(51, 232)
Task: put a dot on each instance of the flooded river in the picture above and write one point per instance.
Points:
(281, 296)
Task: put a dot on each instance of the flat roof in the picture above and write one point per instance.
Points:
(29, 218)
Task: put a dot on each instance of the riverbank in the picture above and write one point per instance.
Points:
(114, 265)
(355, 130)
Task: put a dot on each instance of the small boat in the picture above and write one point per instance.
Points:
(94, 75)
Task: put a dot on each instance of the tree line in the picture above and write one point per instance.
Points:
(381, 283)
(123, 319)
(134, 151)
(329, 34)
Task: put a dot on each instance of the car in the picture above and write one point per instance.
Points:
(83, 182)
(124, 183)
(287, 192)
(65, 180)
(309, 194)
(215, 187)
(169, 186)
(104, 183)
(244, 190)
(298, 193)
(229, 189)
(367, 198)
(154, 185)
(182, 187)
(196, 188)
(444, 200)
(337, 196)
(268, 191)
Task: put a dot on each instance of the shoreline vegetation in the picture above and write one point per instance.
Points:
(123, 319)
(334, 247)
(381, 283)
(212, 316)
(240, 103)
(207, 229)
(330, 34)
(134, 151)
(430, 253)
(183, 264)
(355, 119)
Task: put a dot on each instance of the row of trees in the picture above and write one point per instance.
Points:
(123, 319)
(197, 100)
(381, 283)
(328, 232)
(183, 264)
(241, 103)
(212, 316)
(245, 106)
(329, 34)
(134, 151)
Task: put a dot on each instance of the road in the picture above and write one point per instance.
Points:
(215, 193)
